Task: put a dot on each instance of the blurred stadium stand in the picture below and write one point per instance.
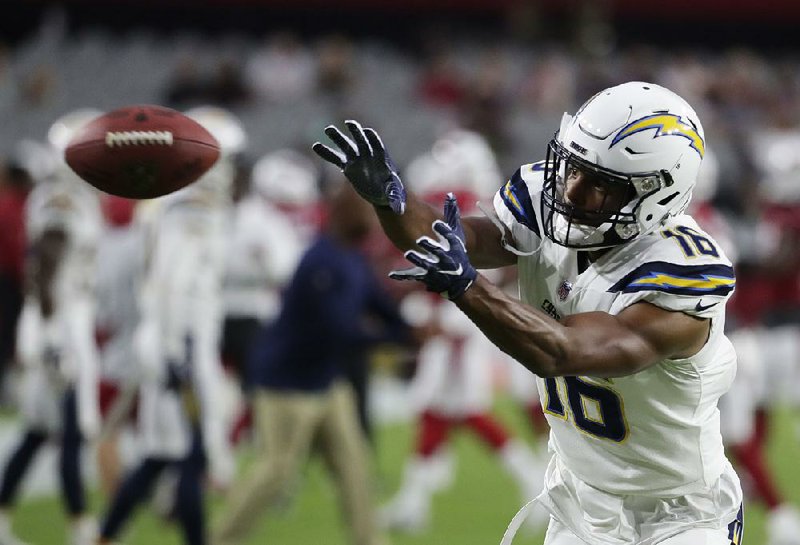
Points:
(512, 68)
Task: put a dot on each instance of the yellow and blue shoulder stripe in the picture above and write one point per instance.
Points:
(517, 199)
(711, 279)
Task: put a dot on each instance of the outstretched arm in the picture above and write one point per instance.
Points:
(404, 217)
(482, 238)
(590, 343)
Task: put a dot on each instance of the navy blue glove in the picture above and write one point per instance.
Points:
(445, 268)
(366, 163)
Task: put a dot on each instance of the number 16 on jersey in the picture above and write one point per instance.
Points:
(594, 410)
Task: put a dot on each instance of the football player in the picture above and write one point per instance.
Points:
(452, 389)
(182, 415)
(262, 252)
(302, 402)
(453, 386)
(263, 249)
(621, 312)
(55, 340)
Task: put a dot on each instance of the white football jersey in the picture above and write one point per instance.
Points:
(184, 275)
(60, 351)
(73, 207)
(655, 432)
(181, 315)
(262, 252)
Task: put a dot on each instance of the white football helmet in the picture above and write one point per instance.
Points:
(50, 159)
(637, 134)
(223, 125)
(459, 159)
(65, 127)
(286, 177)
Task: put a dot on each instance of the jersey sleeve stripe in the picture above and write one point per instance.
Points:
(678, 279)
(517, 199)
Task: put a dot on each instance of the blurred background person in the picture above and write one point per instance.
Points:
(182, 410)
(453, 388)
(55, 343)
(223, 87)
(263, 249)
(15, 186)
(336, 74)
(455, 378)
(332, 311)
(766, 309)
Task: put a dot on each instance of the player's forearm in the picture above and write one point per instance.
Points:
(403, 230)
(531, 337)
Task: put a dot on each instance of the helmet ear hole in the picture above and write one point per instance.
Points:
(649, 217)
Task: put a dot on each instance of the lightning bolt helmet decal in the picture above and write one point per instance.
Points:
(664, 125)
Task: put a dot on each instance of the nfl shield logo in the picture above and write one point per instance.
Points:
(563, 291)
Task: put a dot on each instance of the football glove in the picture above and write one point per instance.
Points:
(445, 268)
(366, 163)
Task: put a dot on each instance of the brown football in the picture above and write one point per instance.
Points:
(141, 151)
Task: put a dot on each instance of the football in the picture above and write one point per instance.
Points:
(141, 151)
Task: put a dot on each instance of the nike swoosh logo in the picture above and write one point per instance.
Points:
(700, 307)
(456, 272)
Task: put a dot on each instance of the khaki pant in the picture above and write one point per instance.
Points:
(290, 425)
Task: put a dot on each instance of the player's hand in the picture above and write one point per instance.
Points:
(366, 163)
(445, 267)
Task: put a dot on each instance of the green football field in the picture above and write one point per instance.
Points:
(474, 511)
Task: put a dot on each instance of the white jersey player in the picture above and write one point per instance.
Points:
(600, 424)
(621, 312)
(65, 206)
(454, 383)
(453, 388)
(55, 338)
(263, 248)
(262, 253)
(181, 316)
(182, 416)
(120, 267)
